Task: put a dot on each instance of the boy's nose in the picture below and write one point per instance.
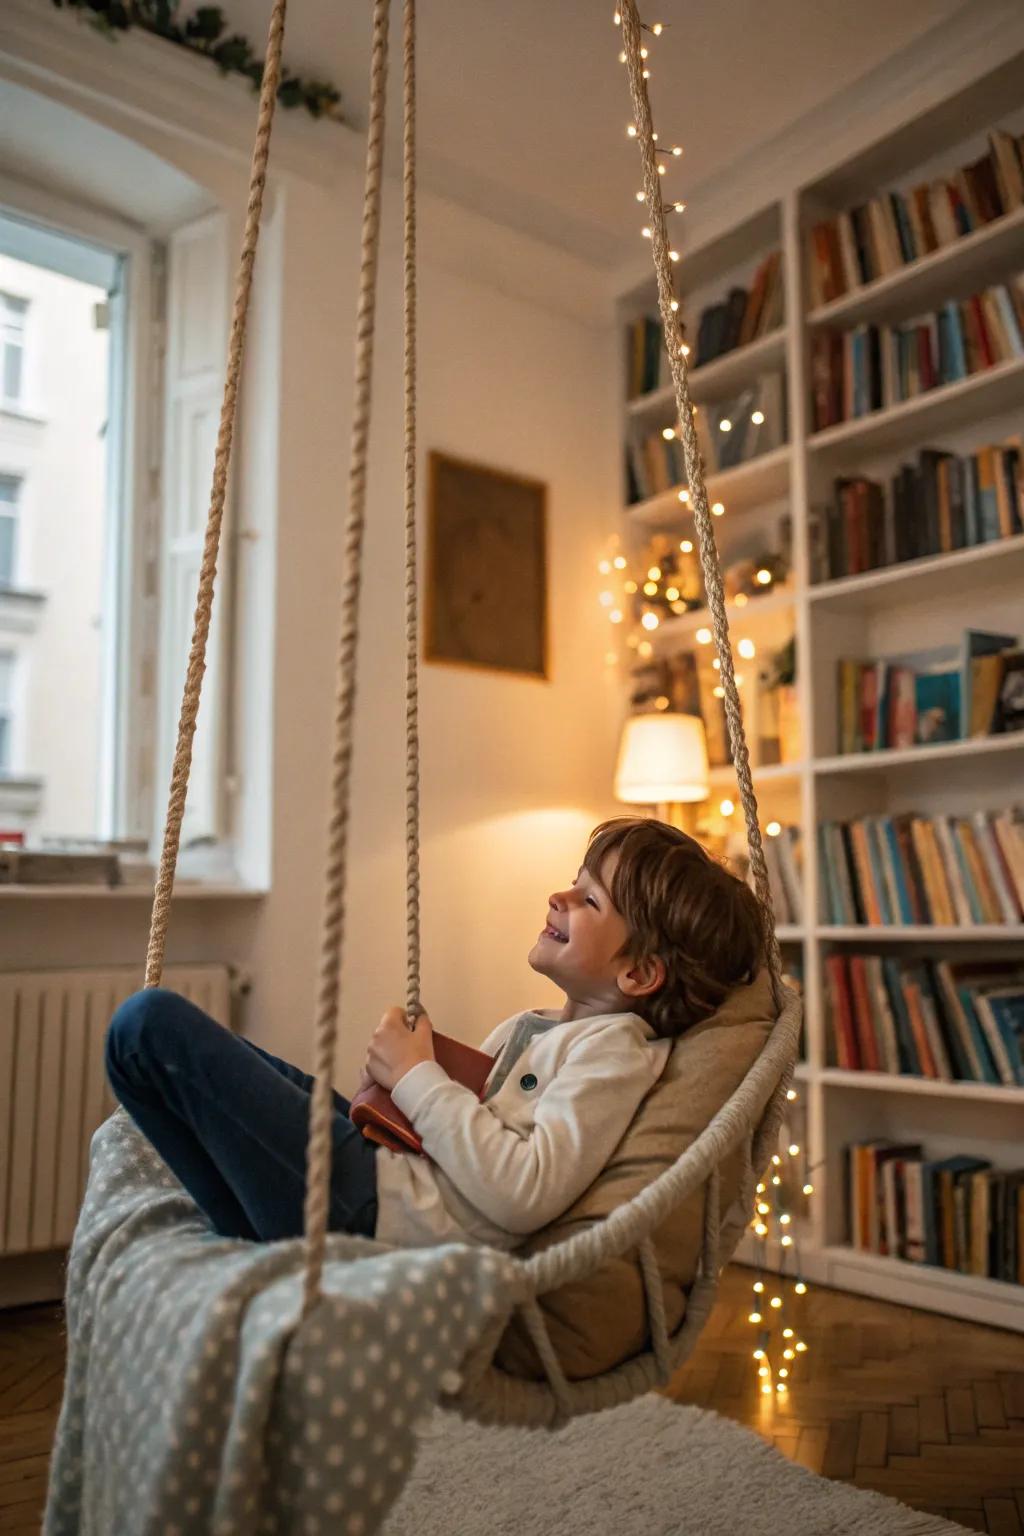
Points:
(558, 901)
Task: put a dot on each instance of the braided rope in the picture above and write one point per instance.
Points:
(182, 762)
(654, 1291)
(412, 737)
(709, 560)
(318, 1156)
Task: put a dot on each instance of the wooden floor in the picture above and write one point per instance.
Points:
(924, 1409)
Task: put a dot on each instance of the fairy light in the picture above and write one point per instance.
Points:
(717, 509)
(684, 497)
(668, 433)
(757, 417)
(686, 547)
(672, 594)
(703, 636)
(630, 587)
(763, 577)
(725, 425)
(650, 589)
(654, 573)
(717, 664)
(607, 599)
(619, 562)
(645, 650)
(605, 567)
(661, 702)
(616, 616)
(772, 830)
(726, 808)
(650, 621)
(747, 650)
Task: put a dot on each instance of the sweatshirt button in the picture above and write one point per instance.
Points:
(527, 1081)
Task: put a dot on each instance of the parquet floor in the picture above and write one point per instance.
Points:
(925, 1409)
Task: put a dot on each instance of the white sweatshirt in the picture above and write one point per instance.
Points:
(556, 1105)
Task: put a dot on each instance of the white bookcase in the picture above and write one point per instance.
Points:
(901, 607)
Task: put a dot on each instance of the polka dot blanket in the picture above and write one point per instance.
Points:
(196, 1399)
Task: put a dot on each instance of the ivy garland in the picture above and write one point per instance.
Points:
(205, 32)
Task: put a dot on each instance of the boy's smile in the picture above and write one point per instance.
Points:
(583, 946)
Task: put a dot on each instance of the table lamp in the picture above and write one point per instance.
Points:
(663, 761)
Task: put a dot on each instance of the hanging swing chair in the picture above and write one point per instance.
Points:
(704, 1189)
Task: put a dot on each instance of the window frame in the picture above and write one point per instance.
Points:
(13, 402)
(133, 499)
(11, 511)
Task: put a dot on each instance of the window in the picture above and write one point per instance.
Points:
(6, 709)
(12, 339)
(10, 489)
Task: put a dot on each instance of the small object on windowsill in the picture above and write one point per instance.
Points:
(34, 866)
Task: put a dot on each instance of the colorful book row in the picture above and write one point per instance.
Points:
(942, 503)
(743, 317)
(952, 1022)
(872, 367)
(957, 1212)
(895, 228)
(783, 856)
(953, 871)
(945, 693)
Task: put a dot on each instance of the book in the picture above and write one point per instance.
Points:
(374, 1112)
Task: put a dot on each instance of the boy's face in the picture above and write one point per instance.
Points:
(582, 945)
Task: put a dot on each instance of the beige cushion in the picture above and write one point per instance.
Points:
(600, 1321)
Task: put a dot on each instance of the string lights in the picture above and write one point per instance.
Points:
(782, 1193)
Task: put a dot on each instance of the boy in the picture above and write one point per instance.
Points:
(650, 938)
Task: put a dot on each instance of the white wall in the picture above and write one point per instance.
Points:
(515, 772)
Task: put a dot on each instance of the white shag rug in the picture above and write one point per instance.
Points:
(651, 1468)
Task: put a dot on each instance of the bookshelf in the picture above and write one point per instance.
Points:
(908, 606)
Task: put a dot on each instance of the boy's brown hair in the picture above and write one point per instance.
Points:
(683, 906)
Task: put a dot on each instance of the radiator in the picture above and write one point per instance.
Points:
(54, 1091)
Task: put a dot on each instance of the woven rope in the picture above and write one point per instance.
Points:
(182, 763)
(318, 1158)
(654, 1291)
(412, 733)
(709, 560)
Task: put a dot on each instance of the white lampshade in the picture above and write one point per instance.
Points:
(662, 758)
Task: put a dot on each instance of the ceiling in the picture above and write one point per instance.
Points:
(523, 107)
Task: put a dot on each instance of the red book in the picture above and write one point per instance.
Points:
(869, 1054)
(373, 1112)
(847, 1054)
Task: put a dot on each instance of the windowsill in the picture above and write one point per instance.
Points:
(15, 412)
(184, 890)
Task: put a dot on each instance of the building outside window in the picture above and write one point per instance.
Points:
(13, 314)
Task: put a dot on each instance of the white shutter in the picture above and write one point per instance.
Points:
(197, 328)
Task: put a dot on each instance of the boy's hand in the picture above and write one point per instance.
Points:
(395, 1048)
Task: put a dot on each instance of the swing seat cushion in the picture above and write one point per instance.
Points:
(599, 1322)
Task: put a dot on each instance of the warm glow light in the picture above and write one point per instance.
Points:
(800, 1288)
(763, 1206)
(776, 1301)
(661, 702)
(718, 691)
(789, 1354)
(766, 1390)
(758, 1286)
(785, 1218)
(661, 172)
(758, 1354)
(760, 1189)
(668, 433)
(808, 1189)
(646, 232)
(725, 425)
(619, 562)
(631, 130)
(755, 1317)
(787, 1333)
(650, 588)
(672, 594)
(684, 497)
(684, 349)
(786, 1240)
(678, 207)
(776, 1159)
(776, 1179)
(763, 1370)
(703, 637)
(630, 587)
(757, 418)
(717, 664)
(773, 829)
(654, 574)
(761, 1229)
(793, 1149)
(604, 567)
(607, 599)
(783, 1372)
(678, 607)
(687, 547)
(741, 599)
(747, 650)
(645, 650)
(650, 621)
(673, 255)
(662, 758)
(717, 509)
(801, 1347)
(764, 578)
(726, 808)
(791, 1093)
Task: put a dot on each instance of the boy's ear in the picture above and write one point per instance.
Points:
(643, 977)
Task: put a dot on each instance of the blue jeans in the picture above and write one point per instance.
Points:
(231, 1121)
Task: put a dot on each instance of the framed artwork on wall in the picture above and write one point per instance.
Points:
(486, 581)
